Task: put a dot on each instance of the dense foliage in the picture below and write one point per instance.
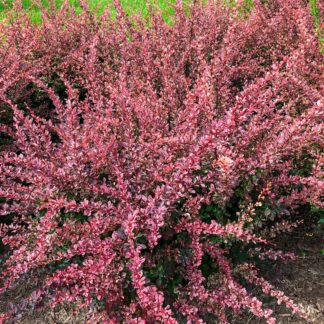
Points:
(145, 169)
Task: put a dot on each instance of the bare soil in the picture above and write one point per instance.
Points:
(302, 280)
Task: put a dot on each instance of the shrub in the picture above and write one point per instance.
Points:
(147, 169)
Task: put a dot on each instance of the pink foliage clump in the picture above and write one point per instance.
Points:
(120, 134)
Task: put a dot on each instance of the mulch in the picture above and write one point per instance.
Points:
(302, 280)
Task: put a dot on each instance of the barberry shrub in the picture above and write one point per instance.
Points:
(147, 168)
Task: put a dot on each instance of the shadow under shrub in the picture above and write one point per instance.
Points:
(150, 168)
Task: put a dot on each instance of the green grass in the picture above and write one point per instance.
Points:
(130, 6)
(139, 6)
(317, 21)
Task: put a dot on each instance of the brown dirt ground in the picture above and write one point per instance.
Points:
(302, 280)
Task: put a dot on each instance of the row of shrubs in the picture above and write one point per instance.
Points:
(146, 169)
